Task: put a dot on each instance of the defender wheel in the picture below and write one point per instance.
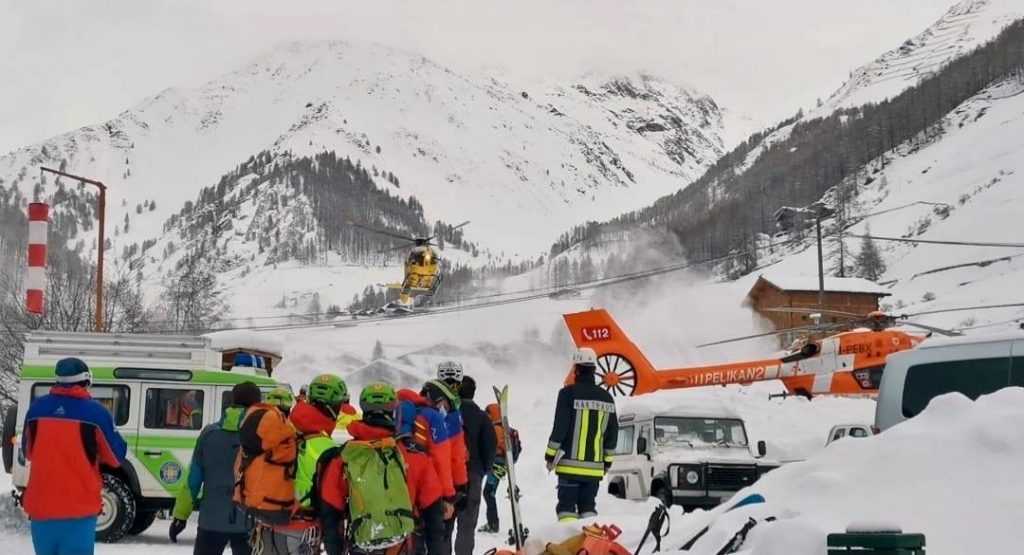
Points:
(10, 421)
(117, 515)
(143, 520)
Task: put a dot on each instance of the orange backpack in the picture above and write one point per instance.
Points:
(265, 466)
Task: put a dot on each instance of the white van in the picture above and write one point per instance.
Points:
(973, 366)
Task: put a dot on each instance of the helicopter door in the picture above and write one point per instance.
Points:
(828, 359)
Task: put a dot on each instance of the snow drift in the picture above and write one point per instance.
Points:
(920, 476)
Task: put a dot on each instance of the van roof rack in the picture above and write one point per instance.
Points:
(184, 352)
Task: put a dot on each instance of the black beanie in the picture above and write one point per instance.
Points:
(246, 394)
(468, 388)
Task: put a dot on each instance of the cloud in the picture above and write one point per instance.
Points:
(74, 63)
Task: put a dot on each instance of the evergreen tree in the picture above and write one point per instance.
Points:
(869, 261)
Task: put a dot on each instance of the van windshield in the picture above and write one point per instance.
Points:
(722, 432)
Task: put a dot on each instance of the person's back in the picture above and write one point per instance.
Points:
(68, 437)
(211, 482)
(481, 446)
(313, 421)
(582, 440)
(423, 487)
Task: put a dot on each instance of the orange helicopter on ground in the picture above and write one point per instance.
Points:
(843, 363)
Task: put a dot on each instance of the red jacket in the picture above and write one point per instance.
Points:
(429, 431)
(68, 436)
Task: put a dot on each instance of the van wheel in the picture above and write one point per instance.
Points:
(10, 421)
(143, 520)
(117, 515)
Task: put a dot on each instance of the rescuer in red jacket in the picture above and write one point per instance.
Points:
(68, 437)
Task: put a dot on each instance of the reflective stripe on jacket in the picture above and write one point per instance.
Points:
(585, 432)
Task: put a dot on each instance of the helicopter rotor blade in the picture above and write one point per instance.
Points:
(962, 309)
(933, 329)
(824, 312)
(382, 232)
(428, 240)
(392, 249)
(817, 327)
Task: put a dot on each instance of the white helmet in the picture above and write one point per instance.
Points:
(449, 371)
(585, 355)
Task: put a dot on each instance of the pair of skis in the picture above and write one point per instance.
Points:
(517, 535)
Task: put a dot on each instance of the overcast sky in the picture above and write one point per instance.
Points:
(68, 63)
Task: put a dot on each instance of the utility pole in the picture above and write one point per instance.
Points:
(821, 262)
(101, 214)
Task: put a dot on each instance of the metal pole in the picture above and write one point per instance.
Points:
(101, 213)
(99, 260)
(821, 264)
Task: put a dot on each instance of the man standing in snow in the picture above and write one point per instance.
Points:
(212, 472)
(481, 445)
(68, 438)
(582, 440)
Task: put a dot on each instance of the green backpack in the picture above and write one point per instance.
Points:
(380, 510)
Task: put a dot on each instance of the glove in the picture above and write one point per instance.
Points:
(461, 499)
(499, 470)
(607, 467)
(177, 527)
(449, 510)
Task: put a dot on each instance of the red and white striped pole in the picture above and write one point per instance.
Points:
(38, 218)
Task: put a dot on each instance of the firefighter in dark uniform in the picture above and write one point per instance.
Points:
(582, 440)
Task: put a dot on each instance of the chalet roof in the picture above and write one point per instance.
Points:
(792, 283)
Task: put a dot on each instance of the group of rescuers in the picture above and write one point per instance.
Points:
(269, 479)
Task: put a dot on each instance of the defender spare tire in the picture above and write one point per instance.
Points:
(117, 515)
(10, 422)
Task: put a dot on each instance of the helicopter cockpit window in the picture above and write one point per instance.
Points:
(419, 257)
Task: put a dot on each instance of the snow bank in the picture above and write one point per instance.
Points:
(952, 474)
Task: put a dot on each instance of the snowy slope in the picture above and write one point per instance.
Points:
(967, 25)
(976, 170)
(467, 146)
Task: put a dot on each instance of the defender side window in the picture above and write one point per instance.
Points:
(973, 378)
(116, 399)
(624, 445)
(174, 409)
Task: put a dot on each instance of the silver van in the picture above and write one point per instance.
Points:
(973, 366)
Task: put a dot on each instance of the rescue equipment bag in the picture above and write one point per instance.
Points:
(265, 466)
(380, 510)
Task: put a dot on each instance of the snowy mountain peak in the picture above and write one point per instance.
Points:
(967, 25)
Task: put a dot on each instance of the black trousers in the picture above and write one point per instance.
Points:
(469, 516)
(577, 498)
(213, 543)
(490, 498)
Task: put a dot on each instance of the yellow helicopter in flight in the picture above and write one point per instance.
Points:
(422, 269)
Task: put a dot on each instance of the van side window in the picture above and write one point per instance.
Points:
(116, 398)
(174, 409)
(973, 378)
(1017, 372)
(625, 441)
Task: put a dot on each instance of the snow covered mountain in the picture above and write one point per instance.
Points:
(523, 164)
(967, 25)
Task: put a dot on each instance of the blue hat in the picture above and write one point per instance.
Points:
(72, 370)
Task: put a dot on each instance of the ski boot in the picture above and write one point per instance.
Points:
(488, 529)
